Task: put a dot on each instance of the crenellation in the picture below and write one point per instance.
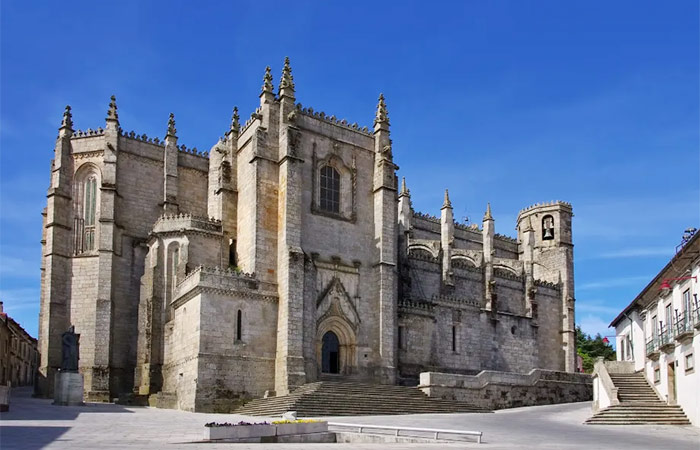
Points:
(320, 115)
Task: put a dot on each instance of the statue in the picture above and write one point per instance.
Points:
(70, 350)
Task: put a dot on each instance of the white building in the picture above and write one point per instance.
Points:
(660, 330)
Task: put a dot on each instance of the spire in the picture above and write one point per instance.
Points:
(112, 111)
(287, 81)
(404, 189)
(267, 81)
(488, 215)
(235, 123)
(171, 126)
(382, 116)
(67, 121)
(446, 203)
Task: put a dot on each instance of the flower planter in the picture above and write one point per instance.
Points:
(284, 429)
(239, 432)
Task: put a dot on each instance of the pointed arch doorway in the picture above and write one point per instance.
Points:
(330, 353)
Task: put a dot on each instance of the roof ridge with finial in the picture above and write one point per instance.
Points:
(382, 116)
(287, 80)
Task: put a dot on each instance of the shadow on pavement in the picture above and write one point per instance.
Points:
(25, 407)
(29, 438)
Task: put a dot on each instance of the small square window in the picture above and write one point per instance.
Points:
(689, 362)
(657, 375)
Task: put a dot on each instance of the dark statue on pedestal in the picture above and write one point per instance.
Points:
(70, 350)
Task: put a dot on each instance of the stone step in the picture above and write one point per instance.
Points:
(639, 404)
(353, 398)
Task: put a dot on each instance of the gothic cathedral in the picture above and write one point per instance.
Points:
(286, 254)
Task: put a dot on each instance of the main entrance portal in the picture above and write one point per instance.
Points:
(330, 353)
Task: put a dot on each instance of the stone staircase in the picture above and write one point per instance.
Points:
(342, 398)
(639, 405)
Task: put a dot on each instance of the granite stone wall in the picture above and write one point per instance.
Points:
(499, 390)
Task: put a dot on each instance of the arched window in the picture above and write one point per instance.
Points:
(547, 228)
(85, 206)
(239, 325)
(329, 192)
(175, 265)
(89, 212)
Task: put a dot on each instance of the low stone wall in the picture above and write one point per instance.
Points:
(498, 390)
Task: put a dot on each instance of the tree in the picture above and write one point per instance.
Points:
(589, 349)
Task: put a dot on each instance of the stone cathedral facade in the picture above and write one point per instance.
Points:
(286, 254)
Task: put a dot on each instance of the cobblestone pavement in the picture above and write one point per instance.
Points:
(34, 423)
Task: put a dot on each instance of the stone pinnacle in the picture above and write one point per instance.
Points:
(488, 215)
(446, 203)
(235, 120)
(171, 126)
(404, 189)
(267, 80)
(67, 121)
(112, 112)
(382, 115)
(287, 81)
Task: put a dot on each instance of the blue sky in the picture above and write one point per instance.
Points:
(509, 102)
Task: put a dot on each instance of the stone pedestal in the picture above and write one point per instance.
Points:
(68, 389)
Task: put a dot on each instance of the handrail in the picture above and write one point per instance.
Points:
(606, 382)
(435, 431)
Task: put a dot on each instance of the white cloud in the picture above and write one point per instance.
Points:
(641, 280)
(637, 252)
(592, 324)
(596, 307)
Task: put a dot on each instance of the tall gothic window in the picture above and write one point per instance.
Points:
(85, 206)
(89, 212)
(330, 190)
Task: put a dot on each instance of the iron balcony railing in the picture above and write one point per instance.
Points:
(684, 323)
(652, 345)
(665, 335)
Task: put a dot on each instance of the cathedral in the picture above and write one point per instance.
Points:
(287, 253)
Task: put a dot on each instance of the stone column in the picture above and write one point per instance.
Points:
(386, 236)
(170, 168)
(289, 365)
(487, 236)
(447, 236)
(56, 259)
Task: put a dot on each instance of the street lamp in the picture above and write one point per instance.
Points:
(666, 286)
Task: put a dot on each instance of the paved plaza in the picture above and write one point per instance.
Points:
(35, 423)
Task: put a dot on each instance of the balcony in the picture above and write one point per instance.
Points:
(696, 317)
(684, 326)
(666, 343)
(653, 348)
